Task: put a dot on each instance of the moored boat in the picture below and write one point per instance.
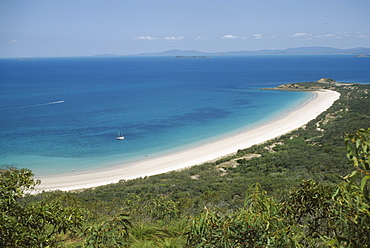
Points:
(120, 136)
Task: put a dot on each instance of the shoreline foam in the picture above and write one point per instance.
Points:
(196, 155)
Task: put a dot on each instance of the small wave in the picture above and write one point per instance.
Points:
(33, 105)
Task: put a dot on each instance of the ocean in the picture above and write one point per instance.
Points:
(60, 115)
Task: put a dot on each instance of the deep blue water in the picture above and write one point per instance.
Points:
(159, 103)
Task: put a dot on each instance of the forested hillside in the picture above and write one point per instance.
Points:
(287, 192)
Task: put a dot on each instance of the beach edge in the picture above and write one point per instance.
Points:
(195, 155)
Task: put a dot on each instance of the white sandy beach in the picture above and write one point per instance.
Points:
(195, 155)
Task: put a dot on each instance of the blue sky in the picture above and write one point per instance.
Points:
(44, 28)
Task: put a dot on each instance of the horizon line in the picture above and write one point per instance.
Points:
(266, 51)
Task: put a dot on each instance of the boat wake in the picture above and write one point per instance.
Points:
(33, 105)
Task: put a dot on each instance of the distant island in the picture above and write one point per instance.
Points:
(314, 50)
(192, 57)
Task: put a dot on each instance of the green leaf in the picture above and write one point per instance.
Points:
(355, 176)
(363, 183)
(334, 242)
(355, 162)
(358, 142)
(350, 175)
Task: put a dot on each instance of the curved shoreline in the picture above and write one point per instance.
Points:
(196, 155)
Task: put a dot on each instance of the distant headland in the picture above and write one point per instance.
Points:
(323, 83)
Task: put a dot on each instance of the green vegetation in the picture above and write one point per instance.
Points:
(288, 192)
(36, 224)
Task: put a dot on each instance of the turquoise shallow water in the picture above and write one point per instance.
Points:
(59, 114)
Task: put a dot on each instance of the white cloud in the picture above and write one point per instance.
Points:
(174, 38)
(361, 36)
(302, 35)
(346, 34)
(257, 36)
(145, 38)
(229, 36)
(341, 35)
(325, 36)
(202, 38)
(13, 41)
(305, 36)
(354, 35)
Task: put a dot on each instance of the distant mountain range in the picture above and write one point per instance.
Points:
(298, 50)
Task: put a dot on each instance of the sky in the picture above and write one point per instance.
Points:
(56, 28)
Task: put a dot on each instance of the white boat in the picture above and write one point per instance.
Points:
(120, 136)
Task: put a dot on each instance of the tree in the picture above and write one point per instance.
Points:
(31, 225)
(260, 223)
(110, 233)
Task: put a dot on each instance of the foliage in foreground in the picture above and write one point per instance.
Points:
(31, 225)
(314, 215)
